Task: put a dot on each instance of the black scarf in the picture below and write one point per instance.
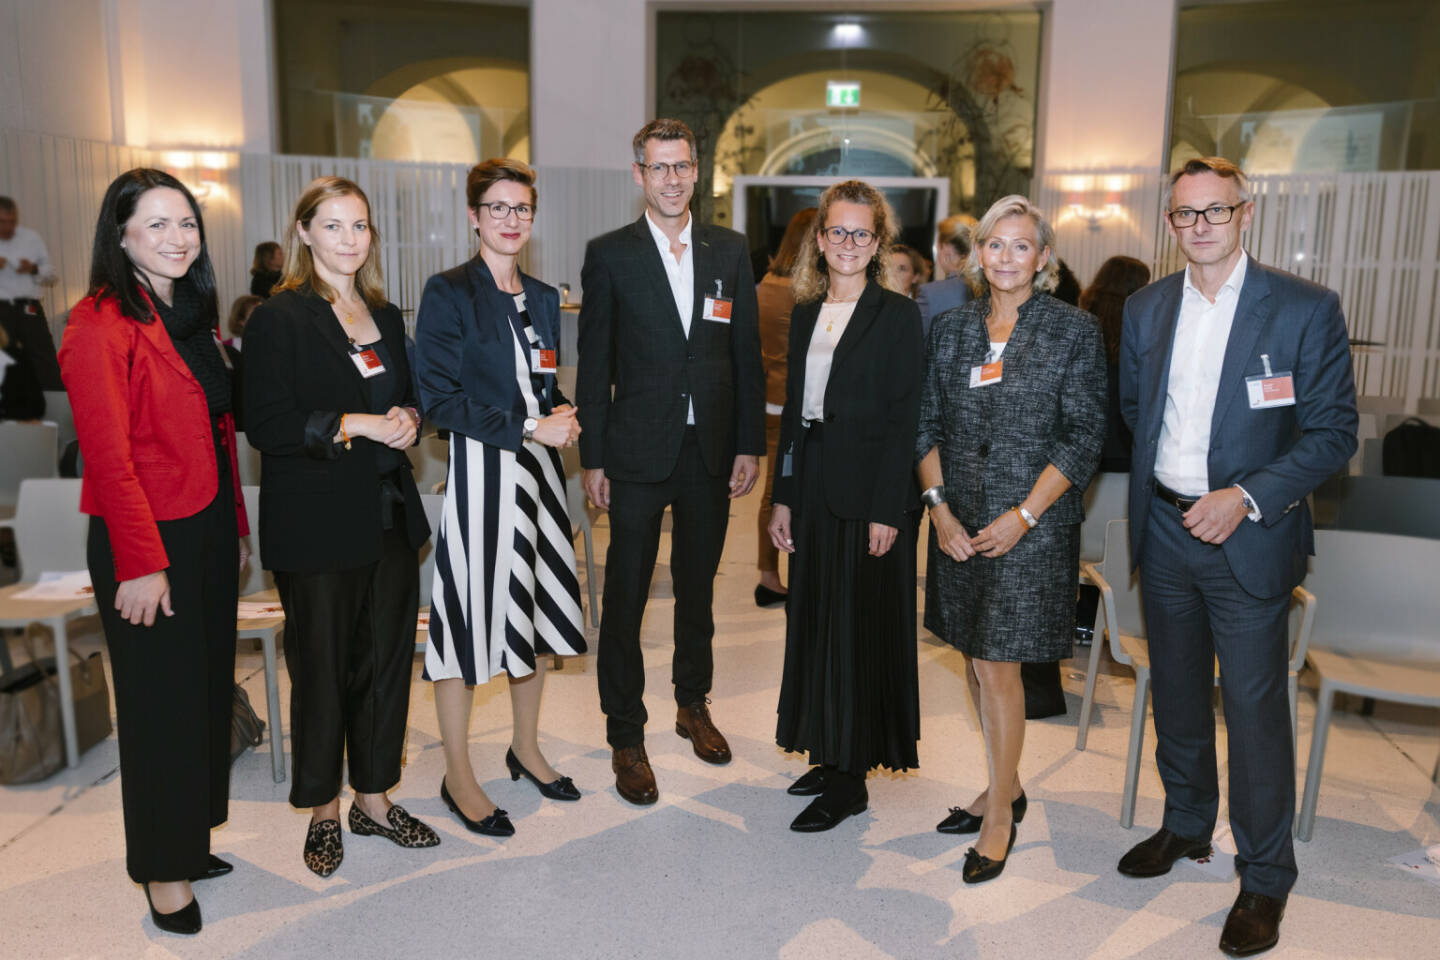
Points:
(189, 328)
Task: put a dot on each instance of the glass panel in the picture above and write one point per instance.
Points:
(429, 81)
(939, 94)
(1302, 86)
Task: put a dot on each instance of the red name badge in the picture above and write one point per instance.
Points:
(984, 374)
(1276, 390)
(368, 362)
(717, 309)
(31, 310)
(542, 360)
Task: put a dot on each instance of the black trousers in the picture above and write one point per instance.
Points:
(174, 691)
(24, 322)
(700, 511)
(350, 648)
(1197, 612)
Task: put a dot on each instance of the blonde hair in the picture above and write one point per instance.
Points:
(810, 280)
(300, 263)
(1013, 206)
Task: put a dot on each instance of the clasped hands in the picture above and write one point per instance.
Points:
(995, 540)
(395, 428)
(560, 429)
(1216, 515)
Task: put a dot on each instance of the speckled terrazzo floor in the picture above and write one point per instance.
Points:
(712, 871)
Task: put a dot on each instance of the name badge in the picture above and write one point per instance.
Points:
(368, 363)
(31, 310)
(542, 360)
(717, 309)
(984, 374)
(1277, 390)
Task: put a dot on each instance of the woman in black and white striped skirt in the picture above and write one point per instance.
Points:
(505, 591)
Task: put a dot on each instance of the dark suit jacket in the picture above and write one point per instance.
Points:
(631, 338)
(465, 353)
(1048, 408)
(1279, 454)
(938, 296)
(872, 402)
(319, 503)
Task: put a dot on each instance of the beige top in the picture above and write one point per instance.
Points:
(834, 318)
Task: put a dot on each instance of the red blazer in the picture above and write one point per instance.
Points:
(144, 431)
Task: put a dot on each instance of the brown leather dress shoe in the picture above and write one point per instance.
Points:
(634, 780)
(1253, 925)
(694, 724)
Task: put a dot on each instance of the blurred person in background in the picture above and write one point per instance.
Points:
(266, 268)
(949, 289)
(25, 272)
(907, 267)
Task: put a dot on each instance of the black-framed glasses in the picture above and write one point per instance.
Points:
(1215, 215)
(661, 171)
(838, 235)
(499, 210)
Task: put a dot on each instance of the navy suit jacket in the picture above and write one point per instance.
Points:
(935, 298)
(1279, 454)
(465, 353)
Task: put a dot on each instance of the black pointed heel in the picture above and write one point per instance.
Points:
(186, 920)
(561, 789)
(215, 867)
(496, 825)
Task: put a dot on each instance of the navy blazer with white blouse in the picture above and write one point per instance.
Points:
(465, 353)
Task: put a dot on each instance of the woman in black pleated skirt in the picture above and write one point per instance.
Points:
(849, 696)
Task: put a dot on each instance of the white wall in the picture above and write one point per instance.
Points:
(54, 73)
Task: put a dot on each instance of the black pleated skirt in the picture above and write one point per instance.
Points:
(850, 692)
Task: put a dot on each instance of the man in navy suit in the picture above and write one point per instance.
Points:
(952, 246)
(671, 397)
(1236, 380)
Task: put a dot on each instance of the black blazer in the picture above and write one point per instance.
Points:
(872, 405)
(465, 353)
(319, 503)
(631, 338)
(1048, 408)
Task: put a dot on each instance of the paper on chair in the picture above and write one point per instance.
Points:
(62, 585)
(251, 610)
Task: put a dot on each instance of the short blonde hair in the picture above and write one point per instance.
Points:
(1013, 206)
(810, 280)
(300, 263)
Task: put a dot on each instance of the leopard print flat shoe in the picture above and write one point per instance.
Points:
(323, 847)
(404, 830)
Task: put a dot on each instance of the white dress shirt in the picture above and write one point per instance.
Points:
(1202, 332)
(681, 274)
(26, 244)
(835, 316)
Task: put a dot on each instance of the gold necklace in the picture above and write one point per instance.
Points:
(830, 324)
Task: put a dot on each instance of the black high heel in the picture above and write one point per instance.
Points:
(963, 821)
(186, 920)
(561, 789)
(215, 867)
(496, 825)
(979, 868)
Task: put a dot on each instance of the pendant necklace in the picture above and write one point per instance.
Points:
(830, 324)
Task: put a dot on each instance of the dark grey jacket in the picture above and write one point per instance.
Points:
(1049, 408)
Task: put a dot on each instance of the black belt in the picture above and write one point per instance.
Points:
(1178, 501)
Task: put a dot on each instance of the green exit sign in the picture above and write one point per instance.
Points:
(842, 93)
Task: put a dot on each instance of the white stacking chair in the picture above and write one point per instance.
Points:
(50, 536)
(1375, 632)
(1125, 631)
(26, 450)
(58, 412)
(258, 586)
(582, 516)
(1107, 498)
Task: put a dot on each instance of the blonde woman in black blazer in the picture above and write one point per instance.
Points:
(331, 407)
(849, 695)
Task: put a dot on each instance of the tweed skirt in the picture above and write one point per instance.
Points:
(1015, 608)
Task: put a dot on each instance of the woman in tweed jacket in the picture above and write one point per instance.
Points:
(1011, 424)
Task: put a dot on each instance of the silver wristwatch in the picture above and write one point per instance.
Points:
(528, 433)
(933, 496)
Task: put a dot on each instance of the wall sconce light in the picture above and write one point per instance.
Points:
(200, 172)
(1094, 216)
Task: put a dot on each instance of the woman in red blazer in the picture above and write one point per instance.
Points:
(151, 397)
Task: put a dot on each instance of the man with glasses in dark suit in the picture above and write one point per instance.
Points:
(1236, 381)
(668, 320)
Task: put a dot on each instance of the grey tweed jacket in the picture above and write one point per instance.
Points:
(1048, 408)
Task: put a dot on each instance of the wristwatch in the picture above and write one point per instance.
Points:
(528, 433)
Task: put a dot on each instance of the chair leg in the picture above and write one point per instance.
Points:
(1087, 702)
(272, 705)
(67, 695)
(1295, 717)
(1305, 825)
(590, 574)
(1137, 740)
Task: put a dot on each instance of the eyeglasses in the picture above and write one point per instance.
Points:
(661, 171)
(499, 210)
(1215, 216)
(838, 235)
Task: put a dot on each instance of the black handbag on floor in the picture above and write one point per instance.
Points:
(246, 729)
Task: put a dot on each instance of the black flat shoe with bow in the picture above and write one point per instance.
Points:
(560, 789)
(979, 868)
(963, 821)
(496, 825)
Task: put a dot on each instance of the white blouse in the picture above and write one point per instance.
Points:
(834, 318)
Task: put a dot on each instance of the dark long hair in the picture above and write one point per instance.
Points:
(1116, 279)
(111, 272)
